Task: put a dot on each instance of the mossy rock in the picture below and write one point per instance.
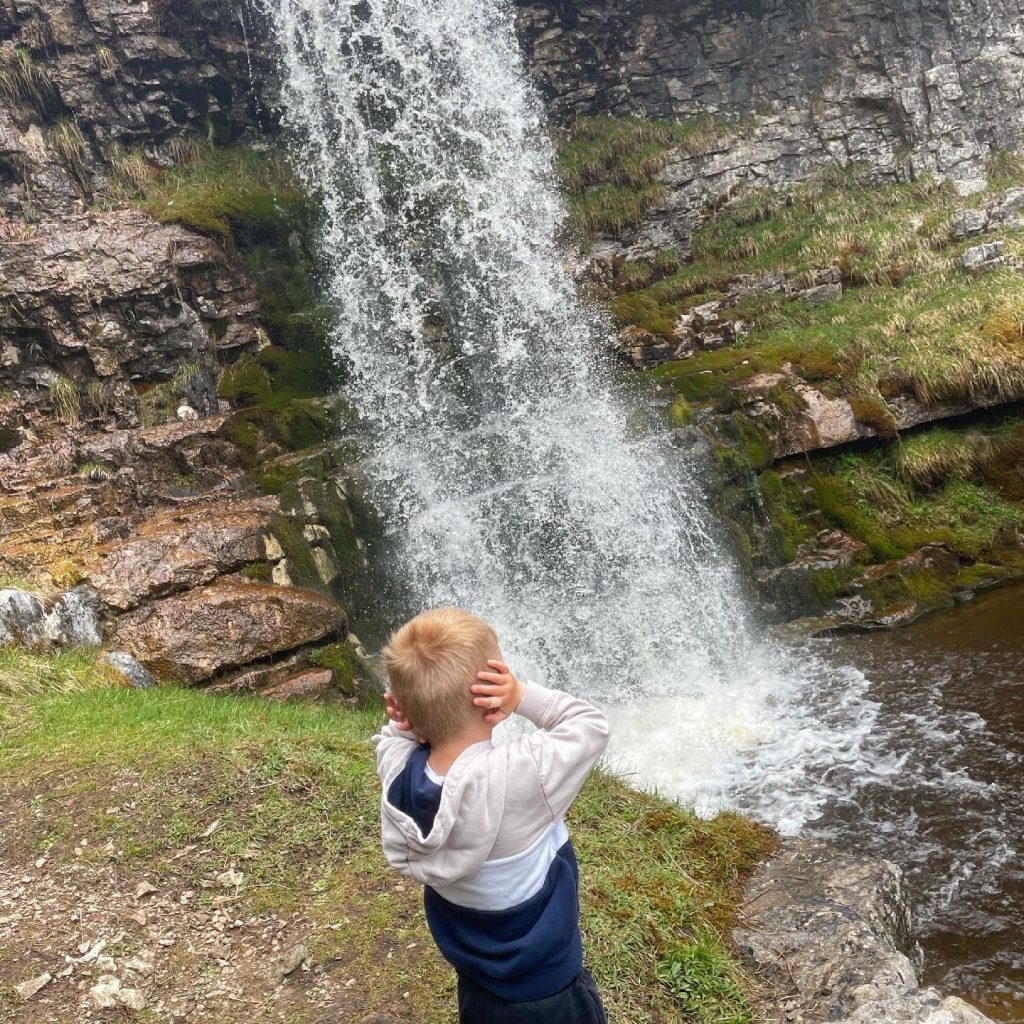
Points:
(303, 423)
(341, 660)
(246, 383)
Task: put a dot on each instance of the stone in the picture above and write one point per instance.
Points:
(134, 674)
(131, 999)
(20, 615)
(70, 619)
(987, 256)
(195, 636)
(837, 928)
(820, 293)
(27, 989)
(965, 223)
(104, 994)
(291, 961)
(310, 683)
(177, 550)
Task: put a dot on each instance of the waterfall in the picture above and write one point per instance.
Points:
(516, 474)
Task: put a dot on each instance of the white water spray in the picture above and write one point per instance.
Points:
(516, 478)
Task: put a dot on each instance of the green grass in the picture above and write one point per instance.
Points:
(294, 790)
(609, 167)
(910, 321)
(961, 490)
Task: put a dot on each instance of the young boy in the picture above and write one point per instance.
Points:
(480, 824)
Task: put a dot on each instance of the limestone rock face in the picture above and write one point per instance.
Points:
(130, 74)
(834, 931)
(936, 85)
(118, 297)
(196, 635)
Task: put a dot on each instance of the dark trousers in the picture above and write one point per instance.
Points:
(578, 1003)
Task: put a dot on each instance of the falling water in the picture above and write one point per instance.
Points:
(515, 476)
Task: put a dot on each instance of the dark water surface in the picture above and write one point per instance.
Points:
(951, 812)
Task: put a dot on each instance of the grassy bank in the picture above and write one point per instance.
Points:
(174, 786)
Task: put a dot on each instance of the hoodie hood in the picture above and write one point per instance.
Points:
(465, 827)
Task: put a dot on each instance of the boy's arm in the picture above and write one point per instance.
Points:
(571, 737)
(572, 733)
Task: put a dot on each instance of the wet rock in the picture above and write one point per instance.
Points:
(180, 550)
(834, 931)
(980, 258)
(310, 683)
(133, 672)
(115, 295)
(196, 635)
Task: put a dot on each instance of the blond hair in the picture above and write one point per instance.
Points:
(432, 661)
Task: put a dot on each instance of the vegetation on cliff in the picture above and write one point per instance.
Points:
(175, 788)
(845, 290)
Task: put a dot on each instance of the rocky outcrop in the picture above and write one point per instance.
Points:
(175, 550)
(912, 85)
(116, 298)
(833, 932)
(202, 632)
(105, 73)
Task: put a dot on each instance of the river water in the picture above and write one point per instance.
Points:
(950, 725)
(516, 477)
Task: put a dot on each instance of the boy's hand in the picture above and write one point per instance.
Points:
(397, 715)
(498, 691)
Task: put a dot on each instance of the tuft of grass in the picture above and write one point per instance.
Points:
(66, 397)
(705, 984)
(924, 460)
(609, 166)
(71, 148)
(22, 80)
(95, 471)
(97, 397)
(233, 194)
(25, 675)
(106, 60)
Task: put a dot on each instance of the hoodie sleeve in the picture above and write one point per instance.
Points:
(394, 746)
(571, 737)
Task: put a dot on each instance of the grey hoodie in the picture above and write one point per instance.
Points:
(497, 862)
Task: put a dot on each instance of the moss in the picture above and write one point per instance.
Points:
(829, 584)
(301, 566)
(259, 571)
(246, 383)
(340, 659)
(303, 422)
(680, 413)
(839, 503)
(873, 412)
(789, 532)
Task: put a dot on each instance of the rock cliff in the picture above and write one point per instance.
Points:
(907, 87)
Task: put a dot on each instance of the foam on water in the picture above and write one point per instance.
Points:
(515, 477)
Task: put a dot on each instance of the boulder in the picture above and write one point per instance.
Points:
(70, 619)
(988, 256)
(965, 223)
(132, 671)
(834, 931)
(181, 549)
(195, 636)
